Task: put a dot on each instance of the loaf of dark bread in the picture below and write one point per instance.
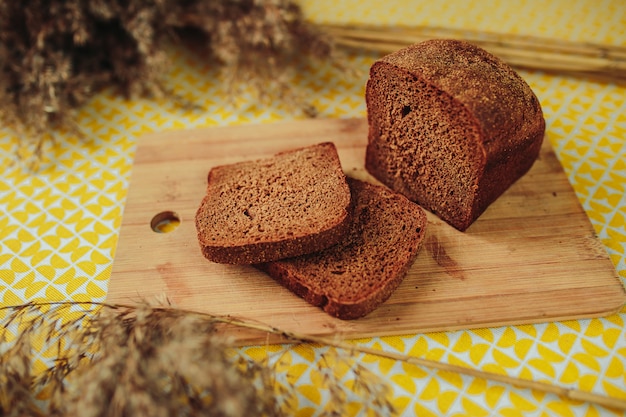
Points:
(293, 203)
(450, 126)
(352, 278)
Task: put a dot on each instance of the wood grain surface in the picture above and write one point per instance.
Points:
(531, 257)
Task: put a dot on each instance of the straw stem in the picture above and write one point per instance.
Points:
(563, 57)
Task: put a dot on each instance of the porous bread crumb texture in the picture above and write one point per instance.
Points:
(417, 167)
(451, 127)
(287, 205)
(351, 279)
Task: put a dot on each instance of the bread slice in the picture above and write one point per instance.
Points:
(352, 278)
(293, 203)
(450, 126)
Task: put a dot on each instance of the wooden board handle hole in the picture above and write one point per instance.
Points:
(165, 222)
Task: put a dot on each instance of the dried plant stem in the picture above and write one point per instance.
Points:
(289, 336)
(568, 393)
(529, 52)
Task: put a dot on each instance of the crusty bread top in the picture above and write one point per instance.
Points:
(290, 204)
(352, 278)
(450, 126)
(493, 92)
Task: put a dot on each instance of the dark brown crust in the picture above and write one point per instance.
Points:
(501, 115)
(267, 251)
(354, 277)
(288, 205)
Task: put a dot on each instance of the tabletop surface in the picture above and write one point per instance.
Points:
(59, 226)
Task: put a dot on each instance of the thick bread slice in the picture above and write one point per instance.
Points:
(352, 278)
(451, 127)
(293, 203)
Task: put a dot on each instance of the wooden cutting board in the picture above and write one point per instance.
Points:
(531, 257)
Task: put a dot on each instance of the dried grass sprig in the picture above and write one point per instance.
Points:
(545, 387)
(55, 55)
(598, 61)
(148, 359)
(374, 395)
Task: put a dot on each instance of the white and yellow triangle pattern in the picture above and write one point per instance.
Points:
(59, 226)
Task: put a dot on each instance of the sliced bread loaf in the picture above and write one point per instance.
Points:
(293, 203)
(352, 278)
(450, 126)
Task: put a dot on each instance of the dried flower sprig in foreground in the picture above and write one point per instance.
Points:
(76, 363)
(153, 360)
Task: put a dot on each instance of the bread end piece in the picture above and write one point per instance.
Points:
(451, 127)
(354, 277)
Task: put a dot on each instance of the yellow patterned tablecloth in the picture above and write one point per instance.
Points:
(59, 227)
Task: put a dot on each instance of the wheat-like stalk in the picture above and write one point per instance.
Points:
(55, 55)
(607, 62)
(153, 359)
(105, 356)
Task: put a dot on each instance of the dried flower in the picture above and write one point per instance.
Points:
(154, 360)
(54, 55)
